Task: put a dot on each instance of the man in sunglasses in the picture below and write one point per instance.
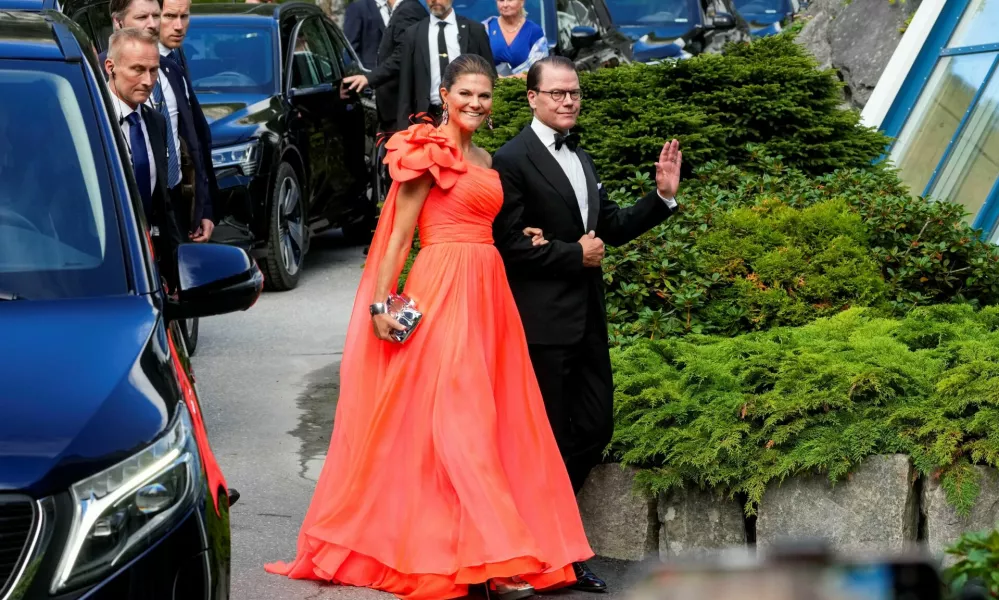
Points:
(551, 183)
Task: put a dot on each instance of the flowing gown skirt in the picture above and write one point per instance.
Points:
(442, 470)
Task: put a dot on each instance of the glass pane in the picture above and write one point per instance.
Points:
(934, 120)
(57, 215)
(233, 60)
(979, 25)
(973, 164)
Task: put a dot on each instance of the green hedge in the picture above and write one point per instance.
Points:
(738, 413)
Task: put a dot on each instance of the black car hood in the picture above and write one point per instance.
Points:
(86, 383)
(235, 118)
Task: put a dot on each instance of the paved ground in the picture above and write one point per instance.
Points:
(268, 383)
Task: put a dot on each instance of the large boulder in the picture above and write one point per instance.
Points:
(620, 523)
(874, 510)
(694, 523)
(856, 38)
(944, 526)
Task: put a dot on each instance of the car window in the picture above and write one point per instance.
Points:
(573, 13)
(313, 61)
(58, 229)
(349, 63)
(101, 26)
(230, 59)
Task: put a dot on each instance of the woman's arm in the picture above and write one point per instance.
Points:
(408, 204)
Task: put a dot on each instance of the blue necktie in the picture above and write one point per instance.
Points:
(173, 154)
(140, 161)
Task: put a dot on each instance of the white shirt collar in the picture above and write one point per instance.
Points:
(123, 109)
(384, 3)
(545, 133)
(451, 19)
(164, 51)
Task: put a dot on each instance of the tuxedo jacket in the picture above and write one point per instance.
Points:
(384, 77)
(364, 27)
(553, 290)
(414, 70)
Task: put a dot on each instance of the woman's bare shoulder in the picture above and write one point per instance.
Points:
(481, 157)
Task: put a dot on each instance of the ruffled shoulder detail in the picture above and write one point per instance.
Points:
(420, 149)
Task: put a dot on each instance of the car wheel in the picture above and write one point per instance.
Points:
(189, 329)
(287, 231)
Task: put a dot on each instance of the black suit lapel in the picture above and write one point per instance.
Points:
(377, 15)
(462, 34)
(593, 194)
(423, 49)
(549, 168)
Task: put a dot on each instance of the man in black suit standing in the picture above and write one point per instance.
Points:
(364, 24)
(384, 77)
(551, 183)
(132, 65)
(428, 48)
(192, 124)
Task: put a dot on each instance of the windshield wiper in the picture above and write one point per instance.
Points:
(8, 296)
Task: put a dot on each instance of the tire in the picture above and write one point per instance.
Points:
(189, 329)
(287, 234)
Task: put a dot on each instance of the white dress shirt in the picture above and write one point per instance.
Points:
(453, 51)
(383, 9)
(123, 110)
(573, 169)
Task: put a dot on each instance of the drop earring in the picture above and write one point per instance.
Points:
(444, 114)
(489, 121)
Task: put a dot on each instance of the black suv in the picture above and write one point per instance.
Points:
(293, 153)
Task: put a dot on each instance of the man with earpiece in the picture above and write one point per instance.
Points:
(132, 65)
(188, 136)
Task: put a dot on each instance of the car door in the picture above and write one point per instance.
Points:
(313, 91)
(358, 116)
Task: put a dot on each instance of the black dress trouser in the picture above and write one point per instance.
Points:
(578, 391)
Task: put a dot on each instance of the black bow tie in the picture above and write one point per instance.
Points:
(570, 141)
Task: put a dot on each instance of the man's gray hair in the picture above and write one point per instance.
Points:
(129, 34)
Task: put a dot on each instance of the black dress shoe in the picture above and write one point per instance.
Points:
(233, 496)
(586, 581)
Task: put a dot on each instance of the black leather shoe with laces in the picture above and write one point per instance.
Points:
(586, 581)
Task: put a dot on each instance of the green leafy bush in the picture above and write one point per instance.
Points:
(767, 245)
(737, 413)
(977, 559)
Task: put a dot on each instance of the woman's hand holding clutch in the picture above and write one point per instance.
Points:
(384, 325)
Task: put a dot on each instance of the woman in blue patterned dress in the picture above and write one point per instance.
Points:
(517, 43)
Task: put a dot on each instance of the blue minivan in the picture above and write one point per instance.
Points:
(108, 486)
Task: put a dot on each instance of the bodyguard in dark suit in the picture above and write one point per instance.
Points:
(384, 77)
(364, 24)
(551, 183)
(428, 48)
(192, 124)
(132, 66)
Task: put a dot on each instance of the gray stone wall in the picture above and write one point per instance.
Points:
(857, 38)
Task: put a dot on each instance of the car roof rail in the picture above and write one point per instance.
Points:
(68, 43)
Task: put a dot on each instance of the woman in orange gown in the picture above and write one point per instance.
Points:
(443, 470)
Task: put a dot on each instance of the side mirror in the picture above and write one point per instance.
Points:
(584, 37)
(322, 88)
(214, 279)
(723, 21)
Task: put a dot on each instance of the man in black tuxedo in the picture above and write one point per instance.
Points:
(384, 77)
(551, 183)
(364, 24)
(132, 65)
(428, 48)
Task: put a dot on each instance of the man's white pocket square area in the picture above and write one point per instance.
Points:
(600, 186)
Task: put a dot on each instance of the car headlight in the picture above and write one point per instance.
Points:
(120, 511)
(244, 156)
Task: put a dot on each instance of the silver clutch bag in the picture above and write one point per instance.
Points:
(403, 310)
